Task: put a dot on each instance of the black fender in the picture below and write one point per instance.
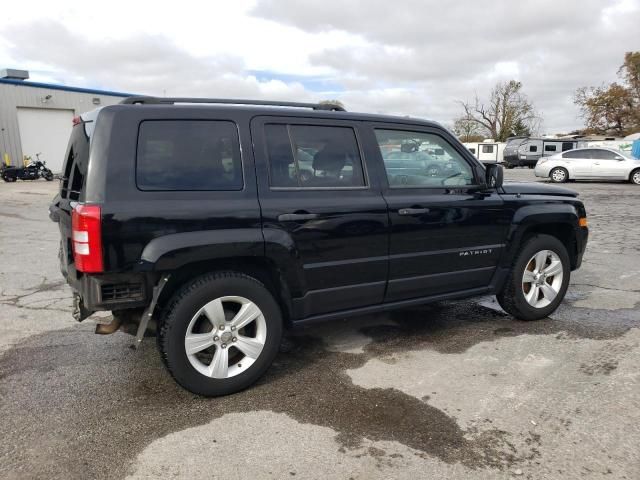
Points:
(543, 215)
(171, 252)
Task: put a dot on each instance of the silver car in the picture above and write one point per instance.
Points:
(594, 163)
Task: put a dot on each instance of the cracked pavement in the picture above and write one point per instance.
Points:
(450, 390)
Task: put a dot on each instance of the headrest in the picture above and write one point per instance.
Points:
(329, 159)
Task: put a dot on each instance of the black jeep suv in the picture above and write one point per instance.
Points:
(217, 223)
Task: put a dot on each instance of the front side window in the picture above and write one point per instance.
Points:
(313, 156)
(533, 148)
(410, 160)
(487, 149)
(188, 155)
(603, 155)
(549, 148)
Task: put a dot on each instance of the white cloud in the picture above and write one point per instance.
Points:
(411, 57)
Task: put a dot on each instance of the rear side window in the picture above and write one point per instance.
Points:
(188, 155)
(549, 148)
(313, 156)
(487, 149)
(76, 162)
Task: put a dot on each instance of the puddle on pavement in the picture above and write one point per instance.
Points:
(85, 405)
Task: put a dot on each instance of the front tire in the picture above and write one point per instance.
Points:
(220, 333)
(559, 175)
(538, 280)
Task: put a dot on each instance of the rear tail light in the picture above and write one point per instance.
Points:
(86, 230)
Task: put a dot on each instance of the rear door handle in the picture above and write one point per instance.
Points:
(412, 211)
(297, 217)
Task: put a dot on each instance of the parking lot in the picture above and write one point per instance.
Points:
(451, 390)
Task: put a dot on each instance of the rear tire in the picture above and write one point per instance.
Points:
(232, 326)
(559, 175)
(531, 292)
(634, 177)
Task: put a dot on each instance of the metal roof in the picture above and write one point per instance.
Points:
(53, 86)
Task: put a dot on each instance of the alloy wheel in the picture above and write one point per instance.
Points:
(542, 278)
(225, 337)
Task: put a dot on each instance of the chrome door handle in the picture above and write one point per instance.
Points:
(412, 211)
(297, 217)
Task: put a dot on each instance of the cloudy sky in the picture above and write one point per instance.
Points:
(408, 57)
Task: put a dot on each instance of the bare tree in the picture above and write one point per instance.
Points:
(467, 129)
(507, 113)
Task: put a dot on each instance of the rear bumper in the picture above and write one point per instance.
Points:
(109, 291)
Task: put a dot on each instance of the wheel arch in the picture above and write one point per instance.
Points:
(560, 221)
(260, 268)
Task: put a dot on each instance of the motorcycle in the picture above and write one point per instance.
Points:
(32, 171)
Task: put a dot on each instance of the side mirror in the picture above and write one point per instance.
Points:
(619, 158)
(494, 175)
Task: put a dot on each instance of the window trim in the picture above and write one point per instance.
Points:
(243, 185)
(288, 124)
(416, 129)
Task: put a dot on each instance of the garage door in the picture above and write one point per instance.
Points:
(45, 131)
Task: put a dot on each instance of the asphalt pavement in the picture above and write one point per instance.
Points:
(450, 390)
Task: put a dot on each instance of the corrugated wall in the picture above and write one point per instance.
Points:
(14, 96)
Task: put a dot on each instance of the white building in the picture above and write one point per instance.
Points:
(36, 118)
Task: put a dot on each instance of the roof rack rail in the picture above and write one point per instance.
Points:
(143, 100)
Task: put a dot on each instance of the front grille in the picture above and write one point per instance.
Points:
(122, 291)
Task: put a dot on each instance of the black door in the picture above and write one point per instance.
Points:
(316, 195)
(446, 234)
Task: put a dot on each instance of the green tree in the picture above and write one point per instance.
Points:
(614, 108)
(508, 110)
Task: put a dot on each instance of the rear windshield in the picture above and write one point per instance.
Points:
(188, 155)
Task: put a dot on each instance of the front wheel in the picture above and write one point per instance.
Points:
(538, 280)
(220, 333)
(635, 176)
(559, 175)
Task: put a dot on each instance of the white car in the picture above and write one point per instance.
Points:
(595, 163)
